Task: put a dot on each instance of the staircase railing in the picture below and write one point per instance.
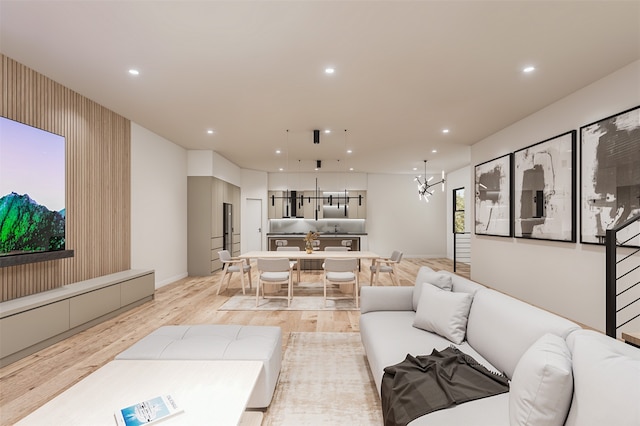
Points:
(613, 281)
(461, 248)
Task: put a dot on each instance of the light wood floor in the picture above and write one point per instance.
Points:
(32, 381)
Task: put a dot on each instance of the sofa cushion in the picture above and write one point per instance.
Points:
(443, 312)
(502, 328)
(439, 280)
(442, 281)
(388, 336)
(606, 375)
(423, 272)
(542, 384)
(458, 284)
(491, 411)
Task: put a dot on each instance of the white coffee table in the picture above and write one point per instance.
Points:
(210, 392)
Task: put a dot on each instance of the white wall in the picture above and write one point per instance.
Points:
(397, 220)
(566, 278)
(158, 206)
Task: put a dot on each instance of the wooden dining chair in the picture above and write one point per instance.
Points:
(292, 262)
(231, 265)
(341, 271)
(274, 271)
(336, 248)
(386, 264)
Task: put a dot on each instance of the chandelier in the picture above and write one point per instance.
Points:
(424, 191)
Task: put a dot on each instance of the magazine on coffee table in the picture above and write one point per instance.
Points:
(148, 412)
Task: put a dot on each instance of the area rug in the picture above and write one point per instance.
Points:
(324, 380)
(306, 297)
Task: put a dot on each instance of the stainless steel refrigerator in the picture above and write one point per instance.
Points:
(227, 226)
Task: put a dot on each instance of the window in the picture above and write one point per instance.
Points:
(458, 210)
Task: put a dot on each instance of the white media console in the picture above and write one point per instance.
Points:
(33, 322)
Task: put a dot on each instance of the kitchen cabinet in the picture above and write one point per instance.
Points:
(360, 204)
(205, 199)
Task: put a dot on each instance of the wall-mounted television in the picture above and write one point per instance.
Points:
(32, 194)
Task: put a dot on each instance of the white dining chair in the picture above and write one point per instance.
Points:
(231, 265)
(341, 271)
(274, 271)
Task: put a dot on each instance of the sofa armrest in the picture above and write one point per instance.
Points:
(386, 299)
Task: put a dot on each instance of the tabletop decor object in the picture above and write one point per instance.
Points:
(308, 241)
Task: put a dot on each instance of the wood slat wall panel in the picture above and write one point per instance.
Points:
(98, 176)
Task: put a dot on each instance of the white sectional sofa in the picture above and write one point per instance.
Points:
(559, 374)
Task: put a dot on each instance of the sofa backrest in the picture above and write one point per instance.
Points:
(501, 328)
(606, 377)
(458, 283)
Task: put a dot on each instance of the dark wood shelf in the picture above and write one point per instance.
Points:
(22, 259)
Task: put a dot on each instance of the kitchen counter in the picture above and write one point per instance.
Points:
(322, 234)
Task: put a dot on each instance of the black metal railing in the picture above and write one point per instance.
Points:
(629, 263)
(461, 248)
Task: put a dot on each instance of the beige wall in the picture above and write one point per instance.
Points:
(566, 278)
(98, 170)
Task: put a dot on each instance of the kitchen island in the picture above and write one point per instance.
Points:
(329, 239)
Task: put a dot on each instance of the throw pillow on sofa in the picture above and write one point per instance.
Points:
(443, 312)
(426, 277)
(542, 384)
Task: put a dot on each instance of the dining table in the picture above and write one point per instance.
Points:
(302, 255)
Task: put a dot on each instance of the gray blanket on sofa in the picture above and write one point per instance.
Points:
(422, 384)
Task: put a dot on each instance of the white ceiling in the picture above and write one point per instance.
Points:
(251, 70)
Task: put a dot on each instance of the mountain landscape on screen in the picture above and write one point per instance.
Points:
(26, 226)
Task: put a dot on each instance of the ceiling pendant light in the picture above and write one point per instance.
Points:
(424, 185)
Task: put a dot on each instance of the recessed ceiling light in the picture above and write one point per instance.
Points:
(349, 151)
(278, 151)
(281, 169)
(210, 131)
(329, 70)
(434, 150)
(134, 72)
(415, 168)
(350, 169)
(529, 69)
(327, 131)
(445, 130)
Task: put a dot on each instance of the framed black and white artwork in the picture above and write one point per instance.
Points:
(493, 197)
(610, 177)
(544, 176)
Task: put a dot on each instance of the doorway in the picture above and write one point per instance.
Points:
(254, 224)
